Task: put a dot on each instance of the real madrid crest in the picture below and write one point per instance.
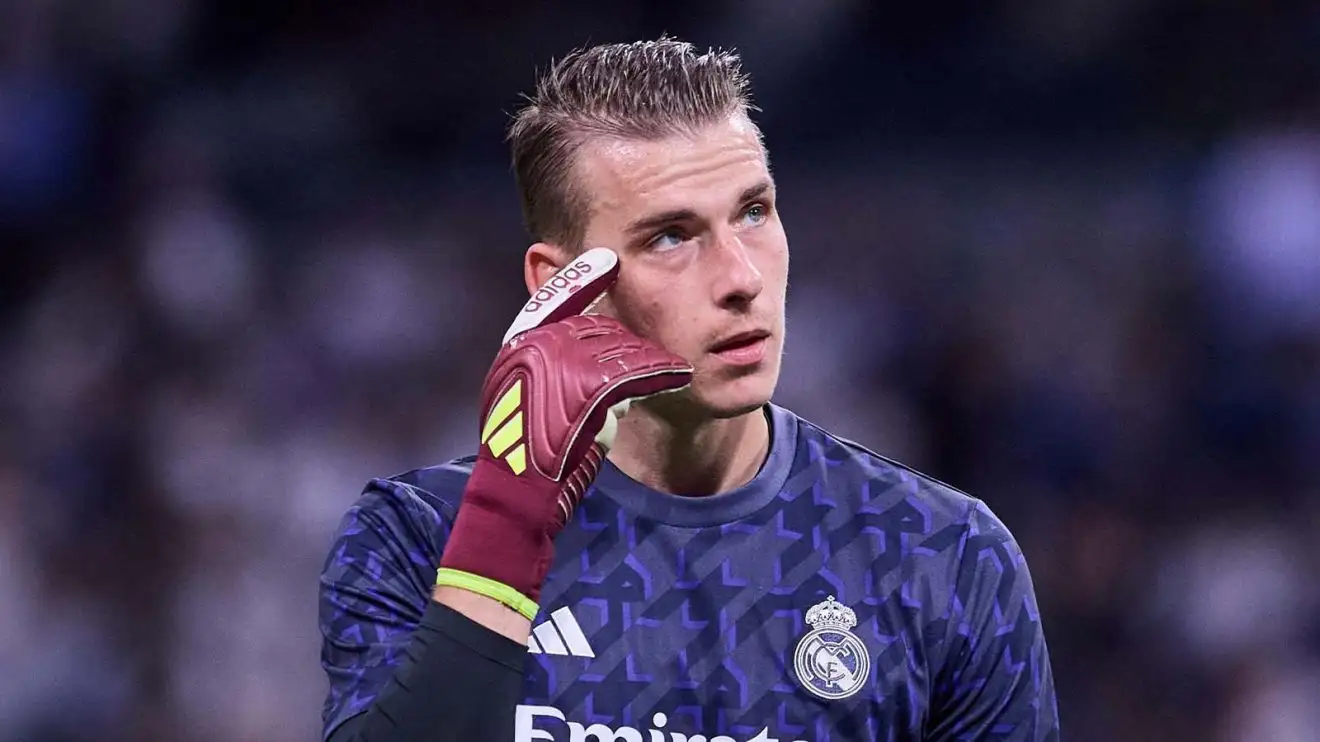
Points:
(830, 660)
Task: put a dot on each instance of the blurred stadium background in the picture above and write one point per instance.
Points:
(1064, 255)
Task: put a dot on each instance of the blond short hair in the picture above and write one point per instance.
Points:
(644, 90)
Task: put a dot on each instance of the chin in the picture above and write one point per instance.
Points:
(730, 411)
(720, 399)
(735, 397)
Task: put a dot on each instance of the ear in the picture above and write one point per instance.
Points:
(542, 261)
(573, 290)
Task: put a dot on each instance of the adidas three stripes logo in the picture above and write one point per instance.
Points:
(561, 635)
(504, 428)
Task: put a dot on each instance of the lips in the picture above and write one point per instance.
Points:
(745, 350)
(740, 341)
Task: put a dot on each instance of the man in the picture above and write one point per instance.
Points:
(644, 547)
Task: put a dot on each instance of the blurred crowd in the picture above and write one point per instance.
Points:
(1065, 256)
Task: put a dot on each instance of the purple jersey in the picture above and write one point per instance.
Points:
(838, 596)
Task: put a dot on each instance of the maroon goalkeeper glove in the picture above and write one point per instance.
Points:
(549, 411)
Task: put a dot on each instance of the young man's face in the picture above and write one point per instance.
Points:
(703, 255)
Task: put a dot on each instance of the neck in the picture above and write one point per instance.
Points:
(701, 457)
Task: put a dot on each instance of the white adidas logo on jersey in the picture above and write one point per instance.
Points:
(560, 635)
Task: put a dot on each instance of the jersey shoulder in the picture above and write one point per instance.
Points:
(438, 488)
(860, 466)
(430, 493)
(408, 515)
(946, 511)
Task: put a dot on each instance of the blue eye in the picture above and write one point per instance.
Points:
(755, 215)
(667, 240)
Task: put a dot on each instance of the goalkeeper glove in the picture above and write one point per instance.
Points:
(550, 405)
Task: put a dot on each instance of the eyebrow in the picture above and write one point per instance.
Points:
(655, 221)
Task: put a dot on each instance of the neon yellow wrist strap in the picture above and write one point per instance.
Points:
(487, 587)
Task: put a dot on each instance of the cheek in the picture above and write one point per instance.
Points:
(773, 262)
(634, 307)
(656, 313)
(778, 264)
(605, 307)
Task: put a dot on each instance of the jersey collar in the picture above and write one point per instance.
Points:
(712, 510)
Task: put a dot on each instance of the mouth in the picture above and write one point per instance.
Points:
(745, 348)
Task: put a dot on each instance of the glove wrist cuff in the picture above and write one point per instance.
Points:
(498, 591)
(502, 529)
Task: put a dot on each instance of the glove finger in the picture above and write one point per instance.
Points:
(620, 397)
(611, 389)
(630, 366)
(610, 429)
(641, 373)
(627, 355)
(636, 390)
(571, 291)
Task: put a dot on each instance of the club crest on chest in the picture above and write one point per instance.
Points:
(830, 661)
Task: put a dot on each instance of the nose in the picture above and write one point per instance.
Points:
(737, 279)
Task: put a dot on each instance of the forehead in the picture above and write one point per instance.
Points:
(623, 177)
